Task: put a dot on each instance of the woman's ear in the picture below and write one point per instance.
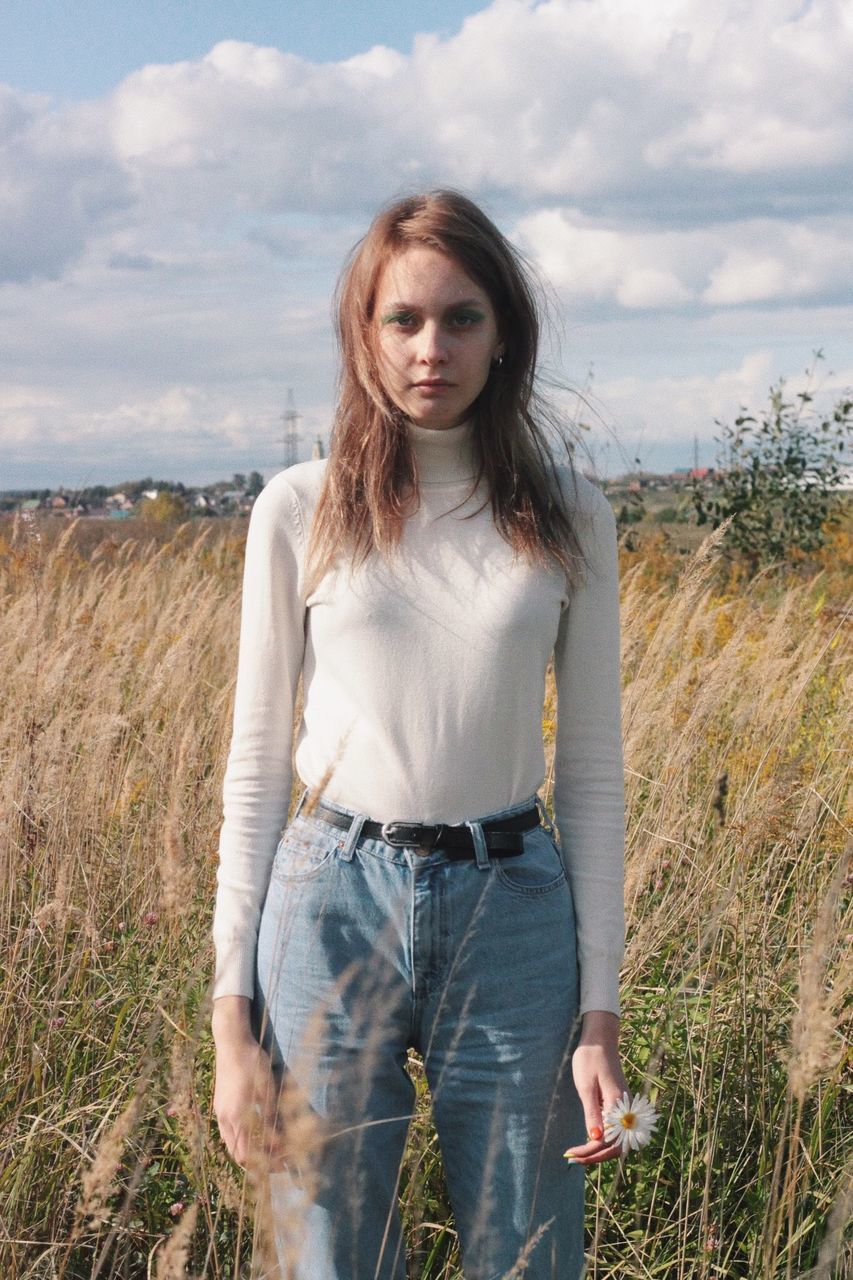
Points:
(500, 352)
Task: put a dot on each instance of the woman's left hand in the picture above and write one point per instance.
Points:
(599, 1081)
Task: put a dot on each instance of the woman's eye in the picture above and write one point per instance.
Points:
(464, 319)
(403, 319)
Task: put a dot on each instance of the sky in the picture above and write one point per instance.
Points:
(181, 181)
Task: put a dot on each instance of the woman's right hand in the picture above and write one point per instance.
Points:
(245, 1092)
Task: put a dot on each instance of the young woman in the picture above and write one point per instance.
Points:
(418, 584)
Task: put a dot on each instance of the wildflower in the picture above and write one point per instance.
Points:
(177, 1208)
(630, 1121)
(150, 918)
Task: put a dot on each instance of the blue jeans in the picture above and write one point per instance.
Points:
(366, 949)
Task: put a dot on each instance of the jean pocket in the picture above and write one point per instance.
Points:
(538, 870)
(303, 851)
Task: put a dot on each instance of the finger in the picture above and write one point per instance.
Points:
(271, 1136)
(271, 1141)
(586, 1149)
(238, 1140)
(252, 1112)
(593, 1153)
(608, 1153)
(260, 1124)
(267, 1132)
(257, 1148)
(588, 1163)
(265, 1106)
(271, 1117)
(242, 1145)
(590, 1100)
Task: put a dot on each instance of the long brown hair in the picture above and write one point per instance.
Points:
(372, 471)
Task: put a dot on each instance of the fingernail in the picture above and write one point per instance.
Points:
(571, 1160)
(595, 1133)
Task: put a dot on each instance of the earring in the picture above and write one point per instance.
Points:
(497, 362)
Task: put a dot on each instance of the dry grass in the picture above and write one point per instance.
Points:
(118, 661)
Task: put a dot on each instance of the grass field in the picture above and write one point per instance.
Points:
(118, 655)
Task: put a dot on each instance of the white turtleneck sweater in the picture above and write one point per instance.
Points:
(423, 686)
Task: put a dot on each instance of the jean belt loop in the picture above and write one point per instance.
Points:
(481, 853)
(352, 836)
(300, 803)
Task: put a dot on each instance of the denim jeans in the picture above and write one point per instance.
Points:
(366, 949)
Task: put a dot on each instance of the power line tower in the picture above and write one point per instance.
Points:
(290, 418)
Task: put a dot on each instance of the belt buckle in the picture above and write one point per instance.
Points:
(391, 835)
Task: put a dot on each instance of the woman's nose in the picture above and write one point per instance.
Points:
(433, 344)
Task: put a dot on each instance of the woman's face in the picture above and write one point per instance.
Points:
(436, 336)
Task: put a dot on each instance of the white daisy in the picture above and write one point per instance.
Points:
(630, 1121)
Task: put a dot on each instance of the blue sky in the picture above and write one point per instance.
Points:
(179, 183)
(83, 48)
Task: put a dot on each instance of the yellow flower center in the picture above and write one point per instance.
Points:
(628, 1120)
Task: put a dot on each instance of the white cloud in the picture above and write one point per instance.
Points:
(564, 101)
(586, 261)
(58, 183)
(23, 409)
(676, 406)
(738, 142)
(776, 261)
(724, 264)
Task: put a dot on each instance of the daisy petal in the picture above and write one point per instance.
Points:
(630, 1121)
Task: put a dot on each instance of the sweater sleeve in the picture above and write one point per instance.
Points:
(258, 773)
(589, 795)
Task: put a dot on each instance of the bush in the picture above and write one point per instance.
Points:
(672, 515)
(629, 514)
(166, 508)
(778, 478)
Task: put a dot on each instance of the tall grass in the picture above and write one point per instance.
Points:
(118, 656)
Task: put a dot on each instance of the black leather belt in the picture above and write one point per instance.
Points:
(504, 836)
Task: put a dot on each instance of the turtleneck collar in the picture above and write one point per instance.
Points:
(443, 457)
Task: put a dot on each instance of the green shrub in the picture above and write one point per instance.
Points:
(778, 478)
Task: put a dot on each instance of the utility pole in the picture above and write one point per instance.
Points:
(290, 418)
(695, 452)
